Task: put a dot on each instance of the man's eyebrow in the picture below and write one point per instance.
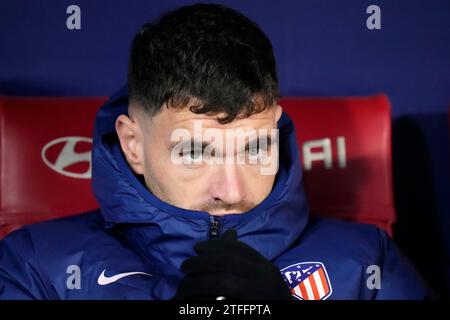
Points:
(189, 143)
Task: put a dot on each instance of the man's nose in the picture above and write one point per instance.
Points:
(228, 184)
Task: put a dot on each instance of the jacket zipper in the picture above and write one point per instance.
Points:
(214, 228)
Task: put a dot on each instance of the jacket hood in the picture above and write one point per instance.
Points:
(159, 231)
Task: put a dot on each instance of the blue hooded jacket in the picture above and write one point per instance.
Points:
(133, 245)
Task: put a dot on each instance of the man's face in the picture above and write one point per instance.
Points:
(153, 147)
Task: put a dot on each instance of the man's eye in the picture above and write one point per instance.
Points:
(194, 154)
(254, 150)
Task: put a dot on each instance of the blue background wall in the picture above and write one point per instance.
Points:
(322, 48)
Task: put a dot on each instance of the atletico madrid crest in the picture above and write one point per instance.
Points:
(308, 280)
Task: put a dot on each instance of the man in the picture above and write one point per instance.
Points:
(187, 210)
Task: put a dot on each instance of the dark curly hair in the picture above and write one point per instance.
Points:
(204, 51)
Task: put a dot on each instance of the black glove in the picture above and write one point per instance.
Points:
(229, 268)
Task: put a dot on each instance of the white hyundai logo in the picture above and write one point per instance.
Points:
(68, 156)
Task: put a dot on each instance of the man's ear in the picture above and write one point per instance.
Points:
(278, 112)
(131, 141)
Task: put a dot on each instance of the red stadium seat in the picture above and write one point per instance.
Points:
(45, 145)
(45, 158)
(345, 146)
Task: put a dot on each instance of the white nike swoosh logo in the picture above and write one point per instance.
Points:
(104, 280)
